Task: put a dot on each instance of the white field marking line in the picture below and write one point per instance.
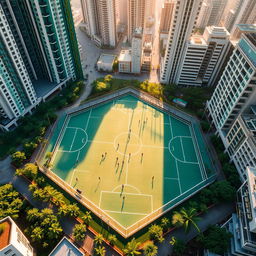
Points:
(151, 146)
(72, 177)
(152, 208)
(73, 140)
(81, 170)
(170, 126)
(161, 207)
(127, 185)
(134, 194)
(198, 158)
(178, 174)
(181, 143)
(132, 213)
(86, 126)
(186, 162)
(98, 141)
(60, 138)
(110, 192)
(78, 155)
(127, 169)
(167, 178)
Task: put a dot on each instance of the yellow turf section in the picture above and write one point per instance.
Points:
(128, 158)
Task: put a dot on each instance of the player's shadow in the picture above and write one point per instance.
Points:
(122, 207)
(98, 185)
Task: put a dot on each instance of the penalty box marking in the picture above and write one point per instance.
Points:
(124, 194)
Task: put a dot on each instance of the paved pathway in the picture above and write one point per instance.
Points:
(215, 215)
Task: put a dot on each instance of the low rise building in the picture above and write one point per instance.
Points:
(66, 247)
(125, 61)
(12, 240)
(105, 62)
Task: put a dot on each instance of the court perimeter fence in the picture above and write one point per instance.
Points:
(125, 232)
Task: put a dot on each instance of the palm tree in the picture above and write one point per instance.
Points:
(156, 233)
(98, 239)
(165, 223)
(87, 218)
(79, 232)
(101, 251)
(132, 248)
(54, 231)
(150, 249)
(32, 215)
(190, 218)
(112, 239)
(37, 234)
(177, 219)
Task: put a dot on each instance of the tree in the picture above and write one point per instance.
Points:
(100, 250)
(190, 218)
(223, 191)
(37, 234)
(150, 249)
(79, 232)
(10, 202)
(29, 148)
(32, 215)
(48, 157)
(112, 239)
(216, 240)
(30, 170)
(177, 219)
(87, 218)
(186, 218)
(156, 233)
(54, 230)
(165, 223)
(131, 248)
(69, 209)
(178, 246)
(98, 239)
(18, 158)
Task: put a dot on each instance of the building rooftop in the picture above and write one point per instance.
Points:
(106, 58)
(125, 56)
(6, 233)
(198, 40)
(66, 248)
(247, 27)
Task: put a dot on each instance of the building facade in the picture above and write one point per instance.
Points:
(204, 57)
(242, 224)
(231, 107)
(137, 51)
(217, 10)
(166, 16)
(245, 14)
(99, 18)
(183, 22)
(136, 16)
(13, 242)
(39, 54)
(204, 14)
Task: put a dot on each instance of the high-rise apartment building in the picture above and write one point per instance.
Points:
(204, 14)
(246, 14)
(204, 57)
(218, 7)
(39, 54)
(185, 15)
(166, 16)
(136, 51)
(242, 224)
(231, 106)
(99, 18)
(137, 14)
